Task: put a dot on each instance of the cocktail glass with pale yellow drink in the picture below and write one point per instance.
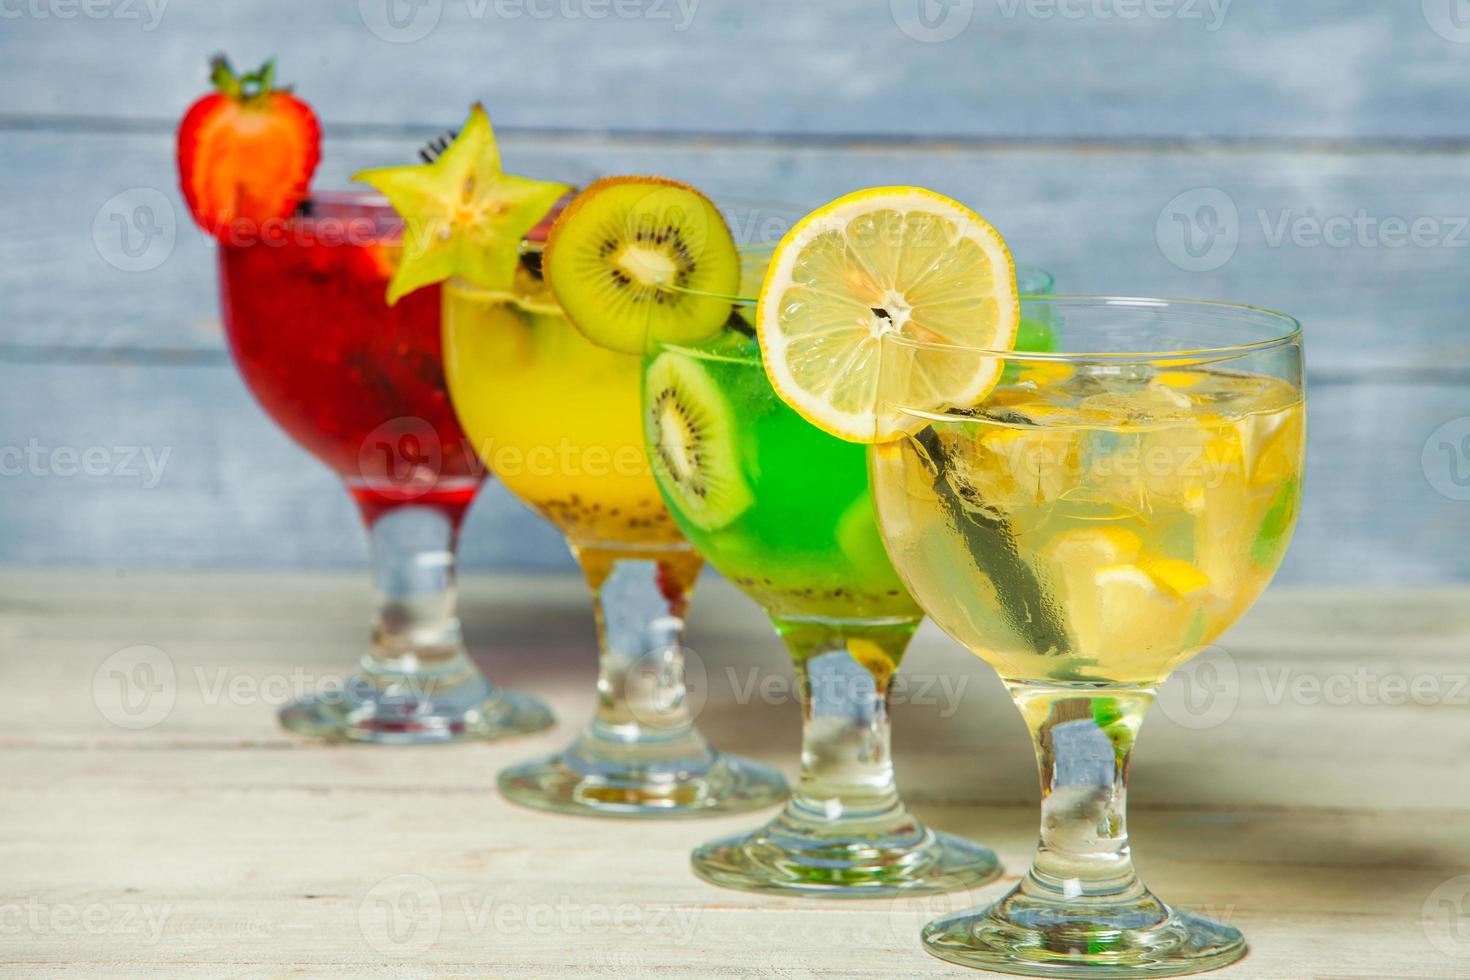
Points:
(1096, 520)
(1083, 519)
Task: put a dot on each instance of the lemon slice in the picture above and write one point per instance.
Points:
(888, 260)
(1180, 577)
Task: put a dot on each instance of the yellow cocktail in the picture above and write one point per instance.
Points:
(557, 419)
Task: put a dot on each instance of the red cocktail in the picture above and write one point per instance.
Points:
(357, 383)
(361, 386)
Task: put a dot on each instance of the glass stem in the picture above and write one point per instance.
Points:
(416, 631)
(640, 599)
(1084, 745)
(846, 763)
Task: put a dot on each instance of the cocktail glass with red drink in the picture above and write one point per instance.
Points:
(360, 385)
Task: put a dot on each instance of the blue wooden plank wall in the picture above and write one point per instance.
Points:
(1312, 156)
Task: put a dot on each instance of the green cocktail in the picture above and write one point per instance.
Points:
(784, 511)
(791, 518)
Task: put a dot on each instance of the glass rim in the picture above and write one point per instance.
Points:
(1290, 334)
(370, 200)
(346, 195)
(1040, 280)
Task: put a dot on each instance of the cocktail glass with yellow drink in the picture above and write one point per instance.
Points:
(553, 410)
(1083, 520)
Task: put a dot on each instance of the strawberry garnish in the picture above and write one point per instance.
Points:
(246, 153)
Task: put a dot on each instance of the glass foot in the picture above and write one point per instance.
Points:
(367, 712)
(1042, 939)
(780, 858)
(565, 783)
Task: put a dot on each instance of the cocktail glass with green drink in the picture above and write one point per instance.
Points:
(783, 510)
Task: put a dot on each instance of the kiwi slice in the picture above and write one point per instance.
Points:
(636, 261)
(690, 431)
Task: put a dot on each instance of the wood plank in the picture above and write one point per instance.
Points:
(299, 888)
(239, 645)
(135, 358)
(1057, 68)
(236, 492)
(214, 845)
(1091, 217)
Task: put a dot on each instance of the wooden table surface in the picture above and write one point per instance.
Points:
(1306, 781)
